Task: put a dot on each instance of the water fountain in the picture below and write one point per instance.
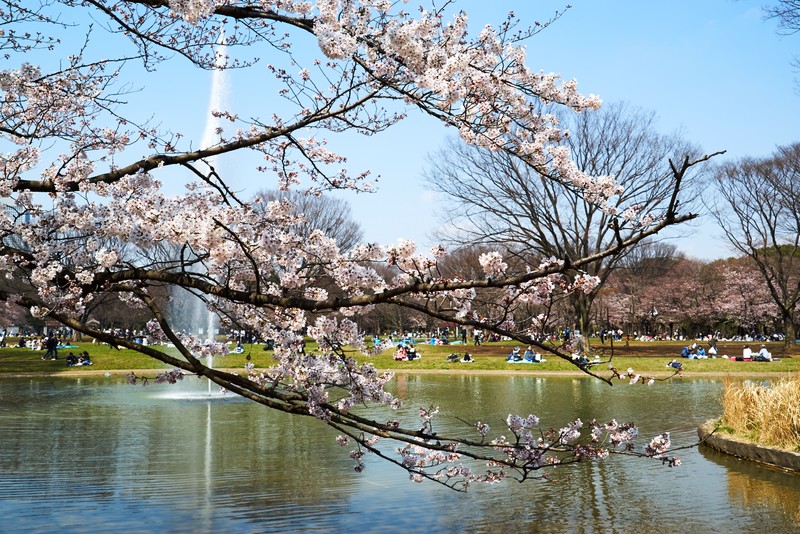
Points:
(190, 313)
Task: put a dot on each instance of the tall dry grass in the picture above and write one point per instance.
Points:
(766, 414)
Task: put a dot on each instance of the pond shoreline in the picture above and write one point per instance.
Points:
(734, 446)
(455, 372)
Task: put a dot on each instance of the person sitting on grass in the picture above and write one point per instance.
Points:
(84, 359)
(515, 356)
(467, 358)
(580, 359)
(763, 355)
(531, 356)
(685, 353)
(72, 360)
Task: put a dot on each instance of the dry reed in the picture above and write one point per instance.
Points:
(768, 414)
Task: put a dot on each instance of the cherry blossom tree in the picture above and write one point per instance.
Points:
(744, 298)
(635, 289)
(85, 167)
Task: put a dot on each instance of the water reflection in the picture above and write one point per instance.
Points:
(97, 454)
(758, 489)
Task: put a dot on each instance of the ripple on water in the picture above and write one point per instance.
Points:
(94, 454)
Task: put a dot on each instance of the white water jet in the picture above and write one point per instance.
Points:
(216, 103)
(218, 98)
(190, 313)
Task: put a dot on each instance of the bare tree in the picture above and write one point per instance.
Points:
(327, 214)
(787, 12)
(498, 201)
(759, 211)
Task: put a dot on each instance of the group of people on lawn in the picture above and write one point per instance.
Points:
(699, 353)
(81, 359)
(406, 352)
(763, 355)
(694, 352)
(530, 356)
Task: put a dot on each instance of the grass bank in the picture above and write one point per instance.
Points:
(643, 357)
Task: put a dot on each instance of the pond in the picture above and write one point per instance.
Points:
(97, 454)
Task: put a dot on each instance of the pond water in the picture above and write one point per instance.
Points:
(96, 454)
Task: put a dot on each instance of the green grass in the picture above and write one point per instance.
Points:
(641, 357)
(104, 358)
(644, 358)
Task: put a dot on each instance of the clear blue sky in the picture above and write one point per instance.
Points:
(714, 70)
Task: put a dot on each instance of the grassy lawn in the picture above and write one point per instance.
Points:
(104, 358)
(643, 357)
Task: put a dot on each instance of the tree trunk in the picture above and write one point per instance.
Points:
(789, 332)
(581, 305)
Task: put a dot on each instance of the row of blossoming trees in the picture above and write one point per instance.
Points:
(689, 297)
(658, 294)
(89, 180)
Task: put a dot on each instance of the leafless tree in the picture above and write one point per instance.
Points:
(500, 202)
(759, 211)
(787, 12)
(328, 214)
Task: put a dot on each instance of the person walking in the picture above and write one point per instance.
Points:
(477, 337)
(51, 344)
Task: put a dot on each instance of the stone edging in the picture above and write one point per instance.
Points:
(749, 451)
